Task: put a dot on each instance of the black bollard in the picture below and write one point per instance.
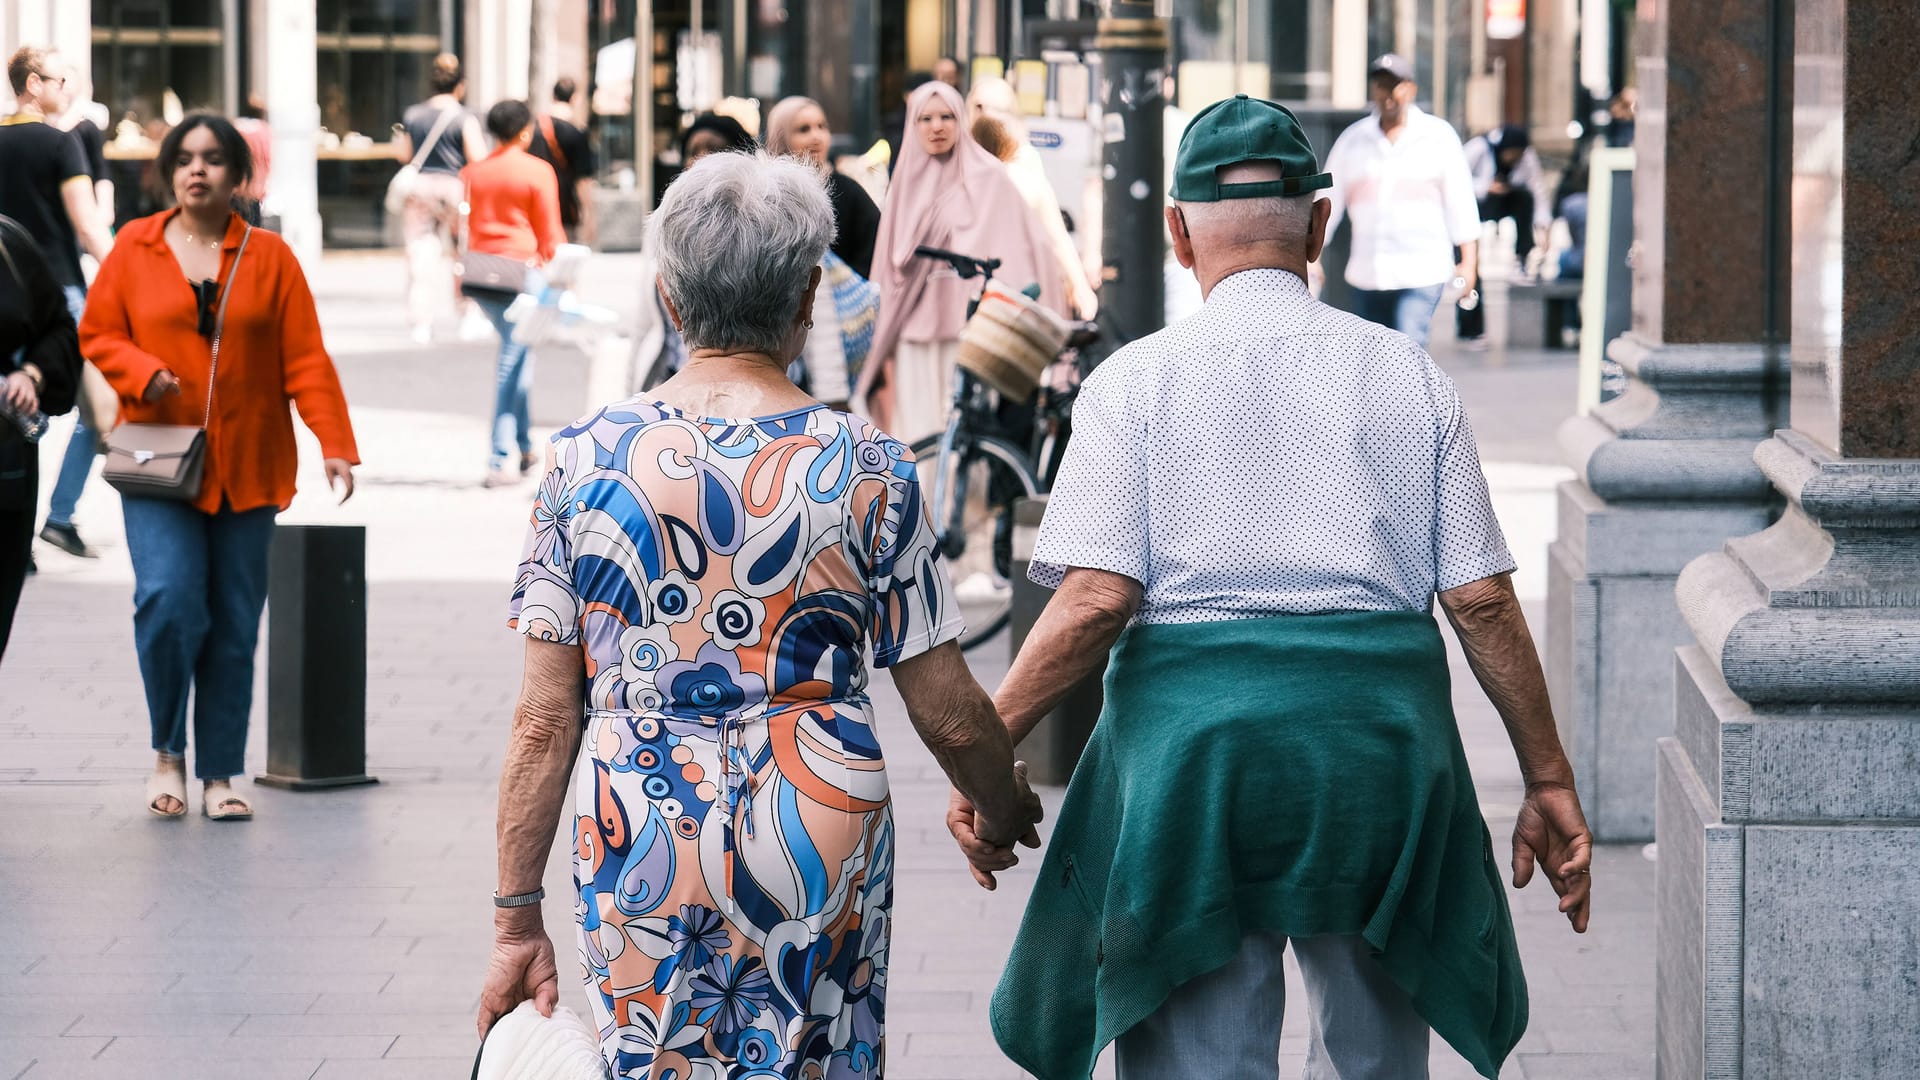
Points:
(317, 658)
(1054, 746)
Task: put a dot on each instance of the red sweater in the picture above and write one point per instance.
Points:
(142, 318)
(513, 206)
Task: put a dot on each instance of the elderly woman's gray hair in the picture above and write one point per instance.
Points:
(736, 237)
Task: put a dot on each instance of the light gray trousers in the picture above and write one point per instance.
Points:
(1225, 1025)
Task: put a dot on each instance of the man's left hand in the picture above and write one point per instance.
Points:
(1552, 831)
(983, 859)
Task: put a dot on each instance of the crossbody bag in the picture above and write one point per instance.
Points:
(169, 461)
(400, 188)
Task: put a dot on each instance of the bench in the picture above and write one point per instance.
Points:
(1540, 312)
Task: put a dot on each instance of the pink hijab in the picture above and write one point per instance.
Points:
(964, 202)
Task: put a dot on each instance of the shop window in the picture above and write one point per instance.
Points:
(373, 60)
(142, 49)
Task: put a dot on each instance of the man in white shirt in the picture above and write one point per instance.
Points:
(1259, 502)
(1402, 178)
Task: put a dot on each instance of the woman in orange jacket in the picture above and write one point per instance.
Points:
(200, 567)
(513, 211)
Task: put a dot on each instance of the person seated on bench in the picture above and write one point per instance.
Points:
(1509, 183)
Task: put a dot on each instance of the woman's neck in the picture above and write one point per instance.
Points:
(205, 224)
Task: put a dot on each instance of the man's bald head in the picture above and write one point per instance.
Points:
(1280, 232)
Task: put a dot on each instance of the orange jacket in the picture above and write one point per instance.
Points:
(142, 318)
(513, 206)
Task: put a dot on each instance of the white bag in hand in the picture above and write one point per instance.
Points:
(524, 1045)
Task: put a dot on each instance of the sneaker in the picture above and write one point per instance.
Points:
(497, 478)
(422, 334)
(67, 539)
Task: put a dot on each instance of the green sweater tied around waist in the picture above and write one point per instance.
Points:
(1300, 774)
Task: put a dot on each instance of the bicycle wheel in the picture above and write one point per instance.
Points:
(984, 477)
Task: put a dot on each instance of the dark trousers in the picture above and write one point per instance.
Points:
(1516, 203)
(16, 549)
(199, 586)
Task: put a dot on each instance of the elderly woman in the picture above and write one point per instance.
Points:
(704, 576)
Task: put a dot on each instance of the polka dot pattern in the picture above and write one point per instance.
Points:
(1271, 455)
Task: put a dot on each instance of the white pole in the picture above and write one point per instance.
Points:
(293, 111)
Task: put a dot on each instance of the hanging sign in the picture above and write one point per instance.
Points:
(1506, 19)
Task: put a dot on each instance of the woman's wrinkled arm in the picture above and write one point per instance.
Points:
(955, 718)
(533, 785)
(540, 756)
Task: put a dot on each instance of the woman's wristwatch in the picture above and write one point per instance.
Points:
(519, 900)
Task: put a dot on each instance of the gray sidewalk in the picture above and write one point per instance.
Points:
(344, 934)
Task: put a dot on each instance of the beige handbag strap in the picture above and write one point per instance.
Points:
(220, 323)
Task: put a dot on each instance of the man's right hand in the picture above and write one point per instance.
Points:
(163, 383)
(20, 394)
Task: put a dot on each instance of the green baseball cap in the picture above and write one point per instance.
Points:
(1238, 130)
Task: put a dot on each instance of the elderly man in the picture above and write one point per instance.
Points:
(1256, 511)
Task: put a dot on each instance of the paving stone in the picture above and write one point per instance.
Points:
(181, 1048)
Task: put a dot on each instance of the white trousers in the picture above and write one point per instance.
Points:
(923, 378)
(1225, 1025)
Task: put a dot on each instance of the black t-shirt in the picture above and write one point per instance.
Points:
(93, 143)
(578, 154)
(35, 160)
(449, 154)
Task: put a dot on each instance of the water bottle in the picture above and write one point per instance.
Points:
(32, 425)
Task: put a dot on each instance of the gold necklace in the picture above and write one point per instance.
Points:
(194, 241)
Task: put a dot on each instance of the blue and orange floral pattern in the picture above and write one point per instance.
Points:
(734, 839)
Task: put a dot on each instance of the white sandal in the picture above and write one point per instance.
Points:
(170, 784)
(219, 803)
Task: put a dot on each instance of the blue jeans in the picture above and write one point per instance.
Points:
(1409, 311)
(1363, 1025)
(77, 465)
(512, 387)
(199, 585)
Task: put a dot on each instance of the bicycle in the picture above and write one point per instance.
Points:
(977, 469)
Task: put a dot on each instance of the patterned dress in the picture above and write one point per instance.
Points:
(734, 841)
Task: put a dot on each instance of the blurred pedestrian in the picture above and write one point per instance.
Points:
(993, 101)
(439, 136)
(1401, 177)
(1622, 109)
(46, 186)
(39, 377)
(513, 216)
(1256, 514)
(1508, 182)
(252, 125)
(86, 120)
(561, 143)
(798, 126)
(735, 850)
(200, 561)
(947, 70)
(948, 193)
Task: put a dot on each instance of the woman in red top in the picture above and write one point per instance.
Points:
(513, 210)
(200, 568)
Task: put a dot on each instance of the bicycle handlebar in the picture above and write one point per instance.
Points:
(965, 265)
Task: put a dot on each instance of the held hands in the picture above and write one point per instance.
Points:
(989, 846)
(522, 967)
(1552, 831)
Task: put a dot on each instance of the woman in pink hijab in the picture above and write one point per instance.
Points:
(947, 192)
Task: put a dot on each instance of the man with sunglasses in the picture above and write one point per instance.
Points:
(46, 187)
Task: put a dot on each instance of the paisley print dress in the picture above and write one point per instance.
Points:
(734, 841)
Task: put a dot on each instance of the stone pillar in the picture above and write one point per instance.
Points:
(1665, 472)
(1789, 812)
(293, 113)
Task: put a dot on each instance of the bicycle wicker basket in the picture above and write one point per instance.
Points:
(1010, 341)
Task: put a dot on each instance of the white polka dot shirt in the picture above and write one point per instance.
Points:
(1271, 455)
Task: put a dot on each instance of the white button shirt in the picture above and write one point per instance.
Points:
(1411, 201)
(1271, 455)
